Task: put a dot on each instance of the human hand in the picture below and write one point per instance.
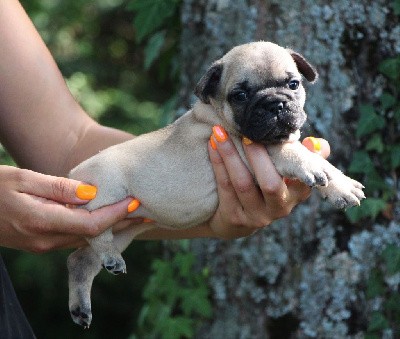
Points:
(34, 216)
(244, 206)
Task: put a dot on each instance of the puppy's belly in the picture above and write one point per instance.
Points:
(175, 190)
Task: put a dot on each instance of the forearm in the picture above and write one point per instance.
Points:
(200, 231)
(94, 138)
(43, 127)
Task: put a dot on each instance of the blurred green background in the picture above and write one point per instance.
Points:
(123, 70)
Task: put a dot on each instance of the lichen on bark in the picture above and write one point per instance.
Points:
(308, 269)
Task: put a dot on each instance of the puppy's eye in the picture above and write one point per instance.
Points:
(240, 96)
(294, 84)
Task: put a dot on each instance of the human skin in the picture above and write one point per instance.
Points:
(48, 133)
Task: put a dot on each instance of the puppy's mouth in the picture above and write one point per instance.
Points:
(274, 126)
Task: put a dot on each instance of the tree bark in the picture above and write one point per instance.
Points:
(304, 275)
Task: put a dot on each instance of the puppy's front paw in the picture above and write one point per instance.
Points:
(313, 173)
(114, 264)
(343, 192)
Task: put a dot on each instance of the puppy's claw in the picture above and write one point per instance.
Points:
(81, 316)
(114, 265)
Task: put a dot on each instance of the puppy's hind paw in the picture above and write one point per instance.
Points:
(114, 265)
(81, 316)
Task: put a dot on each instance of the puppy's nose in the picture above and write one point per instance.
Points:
(276, 107)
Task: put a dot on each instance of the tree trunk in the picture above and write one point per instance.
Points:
(303, 276)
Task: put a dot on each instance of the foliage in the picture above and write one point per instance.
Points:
(388, 316)
(158, 21)
(379, 162)
(176, 299)
(97, 49)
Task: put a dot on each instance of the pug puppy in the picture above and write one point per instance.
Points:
(255, 91)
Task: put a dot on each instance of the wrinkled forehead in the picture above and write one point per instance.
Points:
(259, 64)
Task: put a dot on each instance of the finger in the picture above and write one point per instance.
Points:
(50, 242)
(240, 177)
(298, 191)
(63, 190)
(268, 178)
(56, 218)
(226, 192)
(317, 145)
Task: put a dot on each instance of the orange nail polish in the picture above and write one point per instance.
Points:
(86, 192)
(133, 205)
(247, 141)
(147, 220)
(313, 144)
(212, 143)
(289, 181)
(220, 133)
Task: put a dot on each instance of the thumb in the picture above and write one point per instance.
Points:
(317, 145)
(59, 189)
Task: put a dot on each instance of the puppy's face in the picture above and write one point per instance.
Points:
(257, 88)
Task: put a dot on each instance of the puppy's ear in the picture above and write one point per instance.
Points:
(304, 67)
(208, 84)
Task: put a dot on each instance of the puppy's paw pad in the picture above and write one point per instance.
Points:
(342, 203)
(321, 179)
(312, 179)
(81, 316)
(343, 192)
(114, 265)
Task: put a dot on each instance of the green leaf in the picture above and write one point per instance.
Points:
(196, 302)
(184, 263)
(369, 208)
(395, 156)
(375, 144)
(369, 121)
(378, 322)
(372, 336)
(390, 68)
(375, 284)
(387, 100)
(391, 255)
(361, 163)
(177, 327)
(151, 15)
(153, 48)
(374, 182)
(396, 113)
(393, 302)
(396, 7)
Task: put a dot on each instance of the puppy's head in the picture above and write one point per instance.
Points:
(257, 89)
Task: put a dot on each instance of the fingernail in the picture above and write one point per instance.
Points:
(219, 133)
(86, 192)
(147, 220)
(212, 143)
(247, 141)
(313, 144)
(289, 181)
(133, 205)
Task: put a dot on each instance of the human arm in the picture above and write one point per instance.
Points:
(46, 130)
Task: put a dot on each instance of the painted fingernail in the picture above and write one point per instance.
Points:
(212, 143)
(133, 205)
(220, 133)
(313, 144)
(289, 181)
(147, 220)
(247, 141)
(86, 192)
